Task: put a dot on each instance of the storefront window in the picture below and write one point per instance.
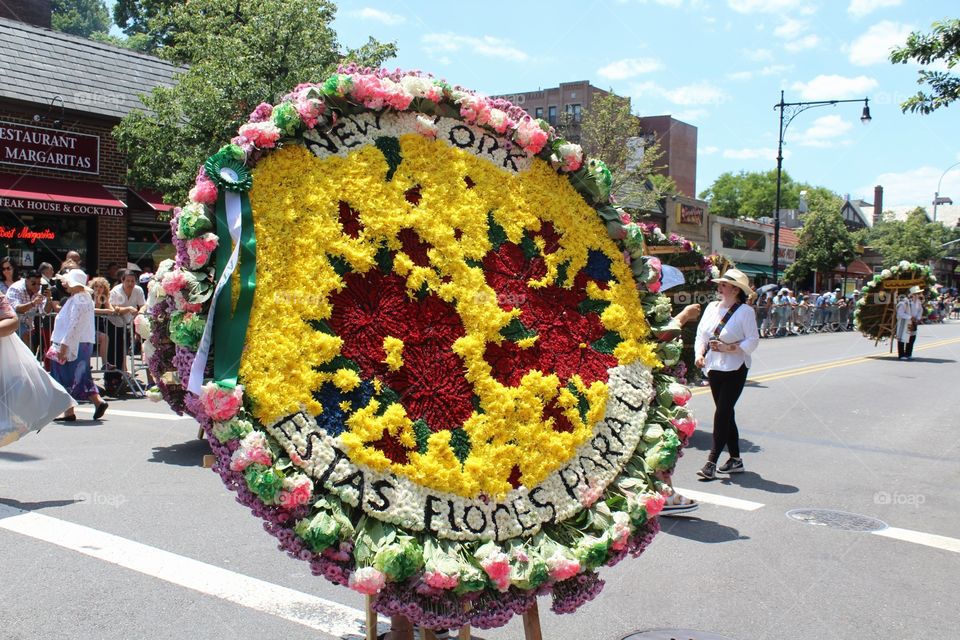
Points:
(32, 239)
(148, 240)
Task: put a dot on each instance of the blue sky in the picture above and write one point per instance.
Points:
(717, 64)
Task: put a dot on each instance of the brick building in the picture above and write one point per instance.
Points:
(564, 105)
(62, 179)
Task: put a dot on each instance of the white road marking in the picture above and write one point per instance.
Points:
(919, 537)
(310, 611)
(134, 414)
(723, 501)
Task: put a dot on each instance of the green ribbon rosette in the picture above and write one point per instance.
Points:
(233, 182)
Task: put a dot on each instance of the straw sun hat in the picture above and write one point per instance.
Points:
(737, 278)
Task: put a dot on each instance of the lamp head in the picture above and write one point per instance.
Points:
(865, 116)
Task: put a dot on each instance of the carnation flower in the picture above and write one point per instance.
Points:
(220, 403)
(654, 504)
(204, 191)
(296, 491)
(367, 581)
(253, 450)
(680, 393)
(262, 134)
(562, 566)
(530, 135)
(686, 426)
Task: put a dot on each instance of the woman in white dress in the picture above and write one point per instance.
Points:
(72, 345)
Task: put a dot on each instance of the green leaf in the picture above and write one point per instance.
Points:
(495, 232)
(339, 264)
(590, 305)
(529, 248)
(460, 443)
(515, 331)
(607, 343)
(421, 431)
(384, 260)
(390, 148)
(562, 269)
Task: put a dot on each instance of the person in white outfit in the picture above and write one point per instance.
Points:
(909, 315)
(72, 344)
(726, 336)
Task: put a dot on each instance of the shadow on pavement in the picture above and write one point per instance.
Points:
(706, 531)
(702, 440)
(752, 480)
(35, 506)
(17, 457)
(183, 454)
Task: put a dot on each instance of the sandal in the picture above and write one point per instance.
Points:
(677, 504)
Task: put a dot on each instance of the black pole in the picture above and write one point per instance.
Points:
(776, 213)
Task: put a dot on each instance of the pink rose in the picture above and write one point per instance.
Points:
(299, 493)
(261, 134)
(204, 191)
(497, 567)
(685, 426)
(220, 403)
(199, 249)
(253, 449)
(439, 580)
(367, 581)
(174, 282)
(530, 135)
(680, 393)
(654, 505)
(562, 567)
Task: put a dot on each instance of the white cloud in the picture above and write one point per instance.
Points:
(775, 69)
(693, 94)
(691, 115)
(758, 55)
(708, 151)
(790, 29)
(369, 13)
(740, 76)
(487, 46)
(806, 42)
(915, 187)
(771, 6)
(700, 93)
(860, 8)
(629, 67)
(751, 154)
(833, 87)
(874, 46)
(825, 132)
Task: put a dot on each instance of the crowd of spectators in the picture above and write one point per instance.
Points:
(119, 294)
(784, 312)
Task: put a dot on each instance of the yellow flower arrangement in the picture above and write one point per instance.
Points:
(285, 356)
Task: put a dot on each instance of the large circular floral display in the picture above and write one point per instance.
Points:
(433, 370)
(875, 312)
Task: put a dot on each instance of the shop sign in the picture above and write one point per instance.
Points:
(28, 146)
(26, 233)
(49, 206)
(689, 214)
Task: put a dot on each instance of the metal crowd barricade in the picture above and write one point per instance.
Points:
(131, 350)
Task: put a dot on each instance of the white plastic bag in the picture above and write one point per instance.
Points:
(29, 397)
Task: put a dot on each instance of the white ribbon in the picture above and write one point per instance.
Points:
(232, 201)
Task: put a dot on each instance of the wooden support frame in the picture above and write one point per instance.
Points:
(531, 626)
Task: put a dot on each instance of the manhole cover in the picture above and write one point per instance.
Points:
(674, 634)
(837, 519)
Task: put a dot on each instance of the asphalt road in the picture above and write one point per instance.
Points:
(113, 530)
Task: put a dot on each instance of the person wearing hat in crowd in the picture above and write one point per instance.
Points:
(909, 315)
(726, 336)
(72, 344)
(127, 299)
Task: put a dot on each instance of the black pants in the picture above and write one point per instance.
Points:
(726, 387)
(905, 349)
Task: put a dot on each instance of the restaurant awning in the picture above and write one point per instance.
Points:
(152, 200)
(51, 195)
(755, 270)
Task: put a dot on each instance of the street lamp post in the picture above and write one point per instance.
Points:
(936, 194)
(788, 111)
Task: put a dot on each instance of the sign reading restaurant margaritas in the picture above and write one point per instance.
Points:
(28, 146)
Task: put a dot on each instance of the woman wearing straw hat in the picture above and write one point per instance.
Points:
(726, 336)
(909, 314)
(72, 344)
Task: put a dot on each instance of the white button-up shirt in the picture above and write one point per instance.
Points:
(740, 329)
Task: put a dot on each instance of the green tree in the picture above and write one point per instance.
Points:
(913, 239)
(80, 17)
(942, 44)
(145, 21)
(750, 195)
(610, 132)
(139, 42)
(237, 53)
(825, 241)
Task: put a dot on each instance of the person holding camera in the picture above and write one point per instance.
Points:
(29, 301)
(909, 315)
(726, 336)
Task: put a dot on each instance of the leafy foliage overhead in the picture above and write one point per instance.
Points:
(236, 54)
(914, 239)
(941, 45)
(80, 17)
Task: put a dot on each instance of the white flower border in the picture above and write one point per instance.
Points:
(399, 500)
